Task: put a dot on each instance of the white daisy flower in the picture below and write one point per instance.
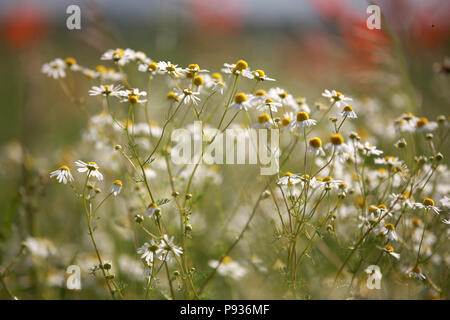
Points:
(269, 104)
(389, 250)
(389, 160)
(62, 175)
(167, 67)
(264, 121)
(302, 105)
(228, 268)
(302, 121)
(151, 67)
(348, 112)
(337, 142)
(119, 56)
(289, 178)
(423, 125)
(150, 251)
(91, 168)
(190, 96)
(239, 68)
(152, 209)
(416, 273)
(218, 87)
(286, 120)
(132, 96)
(55, 69)
(260, 75)
(105, 90)
(369, 149)
(116, 187)
(315, 146)
(388, 231)
(240, 102)
(335, 96)
(166, 244)
(427, 204)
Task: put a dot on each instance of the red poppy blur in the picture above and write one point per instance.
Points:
(22, 25)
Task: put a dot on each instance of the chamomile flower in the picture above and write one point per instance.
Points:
(368, 149)
(260, 75)
(269, 104)
(289, 178)
(218, 87)
(105, 90)
(62, 175)
(427, 204)
(55, 69)
(302, 105)
(423, 125)
(151, 68)
(315, 146)
(401, 125)
(91, 168)
(389, 160)
(166, 67)
(337, 142)
(286, 120)
(116, 187)
(282, 96)
(119, 56)
(302, 120)
(348, 112)
(132, 96)
(152, 209)
(388, 231)
(336, 97)
(416, 273)
(189, 95)
(388, 249)
(150, 251)
(240, 102)
(166, 244)
(193, 69)
(264, 121)
(228, 268)
(239, 68)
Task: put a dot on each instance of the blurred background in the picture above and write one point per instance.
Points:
(307, 45)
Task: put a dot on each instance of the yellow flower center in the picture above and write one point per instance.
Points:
(302, 116)
(193, 67)
(118, 183)
(382, 206)
(91, 166)
(260, 93)
(288, 174)
(337, 97)
(70, 62)
(240, 98)
(227, 259)
(337, 139)
(285, 122)
(216, 76)
(152, 66)
(315, 142)
(259, 73)
(390, 227)
(64, 168)
(241, 65)
(300, 101)
(132, 98)
(152, 205)
(327, 179)
(422, 122)
(372, 208)
(173, 96)
(269, 100)
(348, 108)
(198, 80)
(117, 55)
(428, 202)
(263, 118)
(100, 68)
(389, 248)
(283, 94)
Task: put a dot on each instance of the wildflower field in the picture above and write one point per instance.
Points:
(318, 167)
